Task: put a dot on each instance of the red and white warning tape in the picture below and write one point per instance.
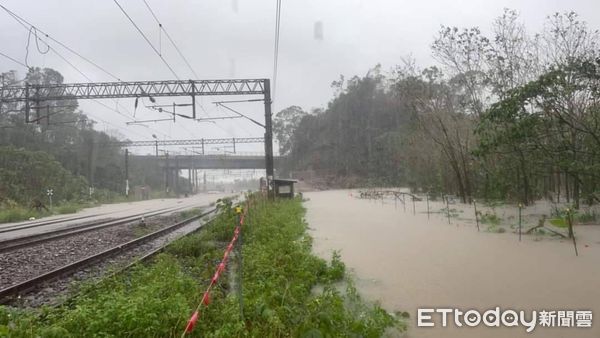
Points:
(220, 268)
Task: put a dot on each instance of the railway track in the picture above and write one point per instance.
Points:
(42, 237)
(8, 293)
(39, 223)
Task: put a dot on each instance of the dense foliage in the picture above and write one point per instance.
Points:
(28, 174)
(288, 292)
(61, 133)
(550, 126)
(510, 116)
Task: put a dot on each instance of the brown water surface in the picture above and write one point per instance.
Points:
(408, 261)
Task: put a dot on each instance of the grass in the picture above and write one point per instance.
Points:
(70, 208)
(558, 222)
(281, 277)
(586, 216)
(490, 218)
(19, 213)
(190, 213)
(141, 230)
(494, 228)
(16, 214)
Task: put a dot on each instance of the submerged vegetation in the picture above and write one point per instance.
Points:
(287, 290)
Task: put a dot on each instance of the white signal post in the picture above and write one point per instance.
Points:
(50, 192)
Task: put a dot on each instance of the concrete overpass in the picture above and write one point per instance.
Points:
(172, 165)
(222, 161)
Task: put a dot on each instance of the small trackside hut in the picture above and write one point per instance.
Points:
(284, 188)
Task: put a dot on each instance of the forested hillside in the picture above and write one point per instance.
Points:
(511, 115)
(25, 176)
(62, 152)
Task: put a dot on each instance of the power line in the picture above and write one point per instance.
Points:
(25, 23)
(21, 20)
(31, 28)
(28, 26)
(37, 44)
(131, 130)
(276, 49)
(147, 40)
(161, 27)
(13, 59)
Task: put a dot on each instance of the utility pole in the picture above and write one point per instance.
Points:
(268, 135)
(193, 100)
(167, 172)
(92, 161)
(193, 181)
(1, 89)
(190, 183)
(126, 172)
(156, 147)
(177, 176)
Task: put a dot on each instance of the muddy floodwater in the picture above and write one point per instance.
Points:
(408, 261)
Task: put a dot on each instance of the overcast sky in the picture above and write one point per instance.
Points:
(235, 38)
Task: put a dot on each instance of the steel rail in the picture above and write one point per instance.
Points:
(42, 237)
(41, 222)
(71, 268)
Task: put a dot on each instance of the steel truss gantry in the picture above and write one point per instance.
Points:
(39, 94)
(203, 141)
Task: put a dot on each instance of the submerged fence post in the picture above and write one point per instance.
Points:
(520, 208)
(448, 209)
(427, 196)
(571, 230)
(413, 200)
(476, 215)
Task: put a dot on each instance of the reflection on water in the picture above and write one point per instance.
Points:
(408, 261)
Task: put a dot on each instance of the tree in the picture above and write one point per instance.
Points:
(508, 115)
(285, 124)
(553, 122)
(26, 175)
(66, 134)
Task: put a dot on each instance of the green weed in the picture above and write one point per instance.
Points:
(558, 222)
(586, 216)
(490, 218)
